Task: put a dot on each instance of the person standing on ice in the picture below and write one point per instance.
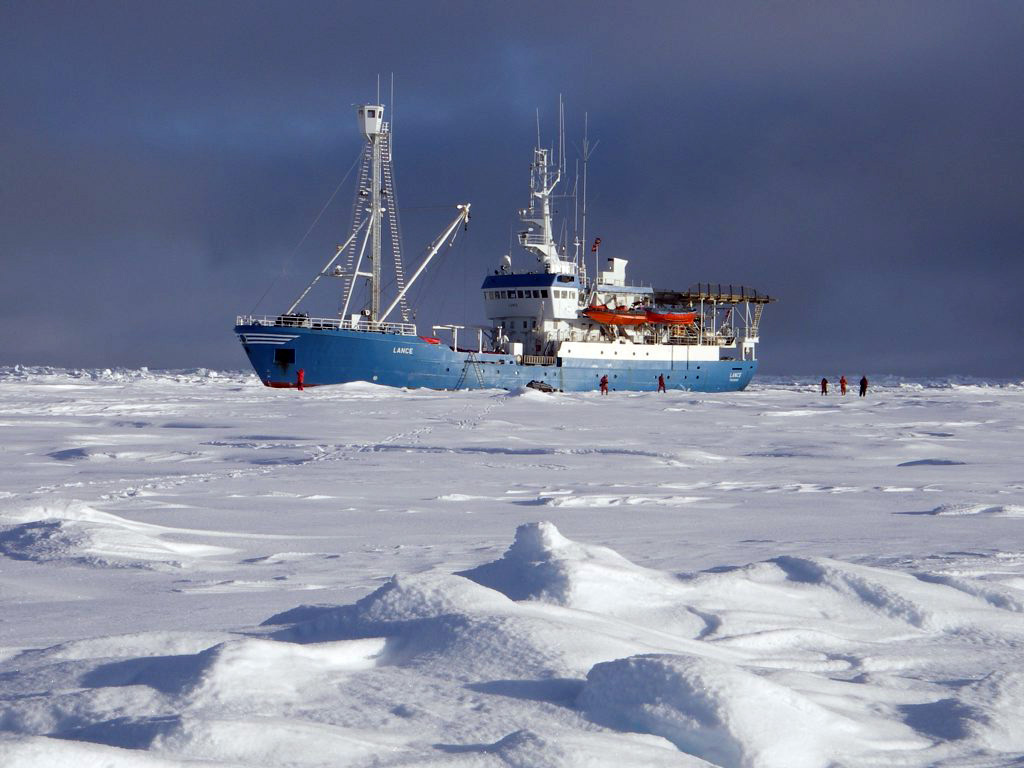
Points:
(863, 386)
(661, 382)
(824, 385)
(842, 385)
(604, 384)
(300, 378)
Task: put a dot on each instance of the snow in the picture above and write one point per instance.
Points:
(197, 570)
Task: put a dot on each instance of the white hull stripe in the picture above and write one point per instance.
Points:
(265, 338)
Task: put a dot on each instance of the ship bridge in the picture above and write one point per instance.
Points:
(511, 299)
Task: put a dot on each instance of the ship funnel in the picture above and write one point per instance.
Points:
(371, 116)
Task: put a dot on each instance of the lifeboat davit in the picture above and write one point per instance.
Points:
(670, 318)
(618, 316)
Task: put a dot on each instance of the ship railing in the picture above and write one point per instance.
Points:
(530, 239)
(713, 340)
(326, 324)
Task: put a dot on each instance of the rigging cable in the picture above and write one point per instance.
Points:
(425, 289)
(311, 226)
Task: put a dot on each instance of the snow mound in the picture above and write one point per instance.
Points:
(528, 748)
(140, 644)
(389, 610)
(239, 671)
(43, 541)
(990, 510)
(276, 741)
(544, 565)
(899, 597)
(718, 712)
(35, 751)
(455, 625)
(532, 395)
(997, 707)
(237, 674)
(76, 532)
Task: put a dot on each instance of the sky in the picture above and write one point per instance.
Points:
(161, 164)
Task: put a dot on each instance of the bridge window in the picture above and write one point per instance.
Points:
(519, 294)
(536, 294)
(543, 294)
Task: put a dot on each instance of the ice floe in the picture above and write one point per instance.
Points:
(198, 570)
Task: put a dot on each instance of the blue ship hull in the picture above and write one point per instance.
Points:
(337, 356)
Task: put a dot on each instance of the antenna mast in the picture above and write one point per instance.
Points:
(561, 134)
(587, 152)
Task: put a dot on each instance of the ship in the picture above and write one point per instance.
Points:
(551, 325)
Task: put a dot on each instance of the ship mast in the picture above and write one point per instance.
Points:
(373, 136)
(538, 236)
(375, 197)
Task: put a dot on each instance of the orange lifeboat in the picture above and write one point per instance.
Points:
(618, 316)
(670, 318)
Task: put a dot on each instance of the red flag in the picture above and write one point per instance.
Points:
(597, 242)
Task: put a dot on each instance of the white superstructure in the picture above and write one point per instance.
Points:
(543, 311)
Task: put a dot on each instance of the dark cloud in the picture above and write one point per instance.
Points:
(862, 161)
